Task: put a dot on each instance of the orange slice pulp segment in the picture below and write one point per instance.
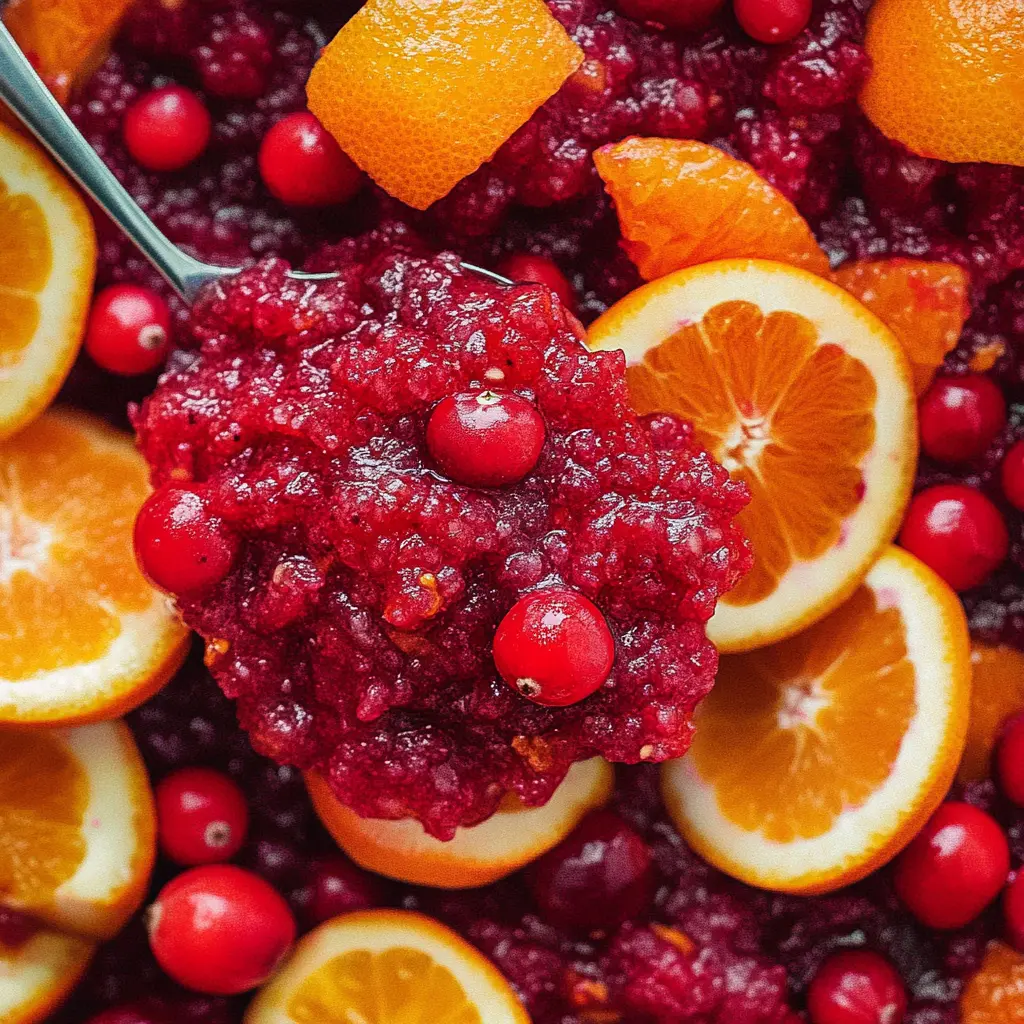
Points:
(799, 391)
(38, 974)
(83, 636)
(995, 992)
(77, 826)
(419, 95)
(924, 304)
(384, 966)
(997, 693)
(817, 759)
(681, 203)
(513, 837)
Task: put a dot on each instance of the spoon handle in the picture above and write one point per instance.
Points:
(24, 92)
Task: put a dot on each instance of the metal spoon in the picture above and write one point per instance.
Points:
(24, 92)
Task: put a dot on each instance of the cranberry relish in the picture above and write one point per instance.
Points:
(355, 626)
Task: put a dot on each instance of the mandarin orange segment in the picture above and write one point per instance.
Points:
(997, 693)
(680, 203)
(419, 95)
(924, 304)
(947, 77)
(37, 975)
(995, 992)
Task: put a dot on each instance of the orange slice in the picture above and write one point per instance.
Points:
(947, 77)
(385, 966)
(816, 760)
(681, 203)
(77, 826)
(47, 263)
(83, 636)
(484, 853)
(995, 992)
(997, 692)
(796, 389)
(924, 304)
(420, 94)
(37, 975)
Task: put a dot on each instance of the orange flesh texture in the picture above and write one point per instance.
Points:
(681, 203)
(420, 94)
(947, 77)
(995, 993)
(43, 797)
(66, 515)
(26, 260)
(813, 725)
(997, 693)
(791, 418)
(924, 304)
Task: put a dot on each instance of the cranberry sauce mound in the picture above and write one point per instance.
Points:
(355, 626)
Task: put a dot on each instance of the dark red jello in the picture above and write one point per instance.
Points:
(355, 627)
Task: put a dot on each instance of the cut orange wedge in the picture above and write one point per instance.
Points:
(47, 264)
(385, 966)
(816, 760)
(995, 992)
(513, 837)
(83, 636)
(37, 975)
(78, 826)
(997, 692)
(801, 392)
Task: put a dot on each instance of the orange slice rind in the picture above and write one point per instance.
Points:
(37, 975)
(383, 966)
(816, 760)
(505, 842)
(799, 390)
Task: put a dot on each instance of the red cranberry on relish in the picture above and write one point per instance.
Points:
(1010, 760)
(856, 986)
(130, 1013)
(336, 886)
(957, 532)
(960, 417)
(167, 128)
(554, 647)
(129, 329)
(302, 164)
(220, 929)
(1013, 912)
(202, 816)
(1012, 473)
(486, 438)
(954, 867)
(179, 544)
(772, 21)
(596, 878)
(528, 267)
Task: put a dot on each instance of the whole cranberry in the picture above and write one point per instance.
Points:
(689, 15)
(856, 986)
(1013, 912)
(220, 929)
(1010, 760)
(130, 1013)
(554, 646)
(1013, 475)
(772, 21)
(954, 867)
(179, 544)
(960, 417)
(956, 531)
(302, 165)
(166, 129)
(337, 886)
(129, 329)
(202, 816)
(596, 878)
(485, 438)
(525, 266)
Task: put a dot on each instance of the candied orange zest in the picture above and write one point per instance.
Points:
(995, 993)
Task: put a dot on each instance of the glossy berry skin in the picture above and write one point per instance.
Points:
(130, 1013)
(772, 21)
(525, 266)
(1013, 912)
(129, 330)
(954, 867)
(856, 986)
(166, 129)
(960, 417)
(956, 531)
(1010, 760)
(596, 878)
(219, 929)
(554, 647)
(337, 886)
(1013, 475)
(302, 165)
(485, 438)
(179, 544)
(202, 816)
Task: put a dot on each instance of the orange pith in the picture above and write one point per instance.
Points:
(680, 203)
(924, 304)
(995, 993)
(420, 95)
(997, 692)
(37, 975)
(947, 77)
